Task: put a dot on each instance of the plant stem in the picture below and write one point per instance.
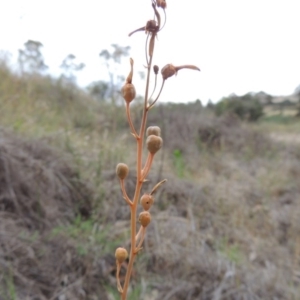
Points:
(152, 104)
(139, 183)
(147, 166)
(125, 196)
(130, 121)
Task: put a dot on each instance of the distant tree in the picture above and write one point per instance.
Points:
(99, 90)
(198, 102)
(31, 59)
(210, 104)
(297, 93)
(263, 98)
(110, 90)
(70, 66)
(298, 109)
(246, 107)
(112, 60)
(117, 54)
(286, 104)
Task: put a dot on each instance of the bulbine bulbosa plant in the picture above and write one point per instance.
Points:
(153, 143)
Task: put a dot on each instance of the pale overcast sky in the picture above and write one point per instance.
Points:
(239, 45)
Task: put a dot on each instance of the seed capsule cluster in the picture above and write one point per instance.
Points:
(153, 143)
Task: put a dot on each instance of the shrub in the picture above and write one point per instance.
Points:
(246, 107)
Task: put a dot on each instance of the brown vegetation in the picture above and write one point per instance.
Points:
(225, 226)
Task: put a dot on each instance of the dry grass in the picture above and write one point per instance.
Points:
(39, 191)
(226, 228)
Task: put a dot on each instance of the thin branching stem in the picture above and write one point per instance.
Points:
(146, 48)
(130, 121)
(118, 278)
(144, 117)
(139, 183)
(154, 86)
(147, 166)
(125, 196)
(138, 234)
(143, 233)
(154, 143)
(165, 20)
(152, 104)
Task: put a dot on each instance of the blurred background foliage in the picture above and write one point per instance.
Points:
(226, 225)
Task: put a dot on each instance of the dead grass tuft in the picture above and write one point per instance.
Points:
(38, 186)
(38, 191)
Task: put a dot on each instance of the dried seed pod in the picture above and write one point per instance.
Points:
(146, 201)
(128, 89)
(121, 254)
(161, 3)
(144, 218)
(153, 130)
(168, 71)
(151, 26)
(155, 69)
(122, 170)
(128, 92)
(154, 143)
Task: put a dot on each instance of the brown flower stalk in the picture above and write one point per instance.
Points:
(153, 143)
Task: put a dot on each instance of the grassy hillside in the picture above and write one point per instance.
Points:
(225, 225)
